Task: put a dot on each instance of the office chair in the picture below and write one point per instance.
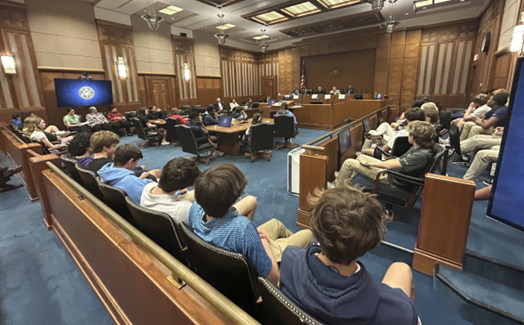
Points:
(90, 182)
(186, 109)
(261, 139)
(115, 198)
(149, 134)
(193, 145)
(400, 146)
(279, 309)
(228, 272)
(129, 115)
(454, 143)
(159, 227)
(70, 164)
(171, 134)
(285, 128)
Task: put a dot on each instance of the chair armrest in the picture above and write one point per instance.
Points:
(377, 181)
(384, 152)
(151, 128)
(410, 179)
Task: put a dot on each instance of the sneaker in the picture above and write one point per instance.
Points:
(488, 182)
(218, 153)
(165, 143)
(330, 185)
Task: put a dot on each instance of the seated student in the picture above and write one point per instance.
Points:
(120, 173)
(481, 142)
(239, 114)
(477, 108)
(211, 118)
(15, 119)
(143, 115)
(72, 121)
(413, 163)
(334, 91)
(320, 90)
(34, 128)
(97, 121)
(387, 134)
(257, 119)
(232, 105)
(219, 106)
(495, 117)
(217, 219)
(118, 121)
(5, 176)
(249, 104)
(23, 116)
(175, 113)
(401, 122)
(199, 131)
(329, 283)
(170, 194)
(283, 110)
(482, 159)
(80, 149)
(154, 113)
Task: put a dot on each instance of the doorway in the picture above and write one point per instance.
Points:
(269, 87)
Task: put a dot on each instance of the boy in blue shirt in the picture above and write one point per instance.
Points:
(217, 219)
(329, 282)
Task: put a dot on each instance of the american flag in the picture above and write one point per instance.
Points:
(303, 81)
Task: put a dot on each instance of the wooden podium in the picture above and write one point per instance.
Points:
(444, 222)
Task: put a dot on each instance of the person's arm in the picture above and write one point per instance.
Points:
(486, 123)
(388, 164)
(467, 116)
(49, 145)
(274, 273)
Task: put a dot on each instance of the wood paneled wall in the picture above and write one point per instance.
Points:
(158, 90)
(289, 70)
(117, 41)
(445, 63)
(21, 91)
(209, 90)
(184, 52)
(358, 69)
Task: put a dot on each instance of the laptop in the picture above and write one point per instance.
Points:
(366, 124)
(359, 96)
(225, 121)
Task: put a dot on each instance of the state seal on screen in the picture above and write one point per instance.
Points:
(86, 92)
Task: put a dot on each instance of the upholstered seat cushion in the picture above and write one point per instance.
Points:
(394, 195)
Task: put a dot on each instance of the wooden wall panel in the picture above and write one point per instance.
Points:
(184, 52)
(358, 69)
(23, 90)
(289, 72)
(209, 90)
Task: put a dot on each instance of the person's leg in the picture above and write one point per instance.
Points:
(281, 237)
(386, 129)
(96, 127)
(479, 142)
(476, 130)
(483, 193)
(116, 127)
(51, 129)
(351, 167)
(156, 173)
(189, 196)
(460, 124)
(126, 125)
(482, 159)
(465, 131)
(246, 207)
(107, 127)
(399, 276)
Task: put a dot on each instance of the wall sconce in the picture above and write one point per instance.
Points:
(122, 73)
(8, 62)
(516, 40)
(187, 73)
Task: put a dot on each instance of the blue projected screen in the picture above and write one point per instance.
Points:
(507, 199)
(76, 92)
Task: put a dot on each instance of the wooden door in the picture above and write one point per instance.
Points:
(160, 92)
(160, 95)
(269, 87)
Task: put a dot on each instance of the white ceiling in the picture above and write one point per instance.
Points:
(203, 17)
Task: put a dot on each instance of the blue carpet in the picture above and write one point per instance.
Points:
(41, 284)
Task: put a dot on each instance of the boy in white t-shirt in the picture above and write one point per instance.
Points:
(169, 195)
(476, 109)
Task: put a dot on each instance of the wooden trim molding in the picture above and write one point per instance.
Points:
(69, 69)
(112, 24)
(13, 4)
(502, 51)
(143, 73)
(216, 77)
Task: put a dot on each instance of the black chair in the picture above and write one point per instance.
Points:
(404, 196)
(171, 134)
(400, 146)
(129, 115)
(279, 309)
(25, 138)
(193, 145)
(285, 128)
(70, 164)
(115, 198)
(454, 143)
(149, 134)
(90, 182)
(228, 272)
(185, 110)
(445, 119)
(261, 139)
(159, 227)
(198, 108)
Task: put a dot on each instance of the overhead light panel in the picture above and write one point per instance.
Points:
(333, 4)
(301, 9)
(423, 3)
(271, 17)
(170, 10)
(260, 37)
(440, 1)
(225, 26)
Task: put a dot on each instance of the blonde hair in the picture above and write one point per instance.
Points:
(174, 111)
(423, 133)
(31, 125)
(429, 105)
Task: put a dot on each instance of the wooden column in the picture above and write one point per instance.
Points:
(444, 222)
(37, 165)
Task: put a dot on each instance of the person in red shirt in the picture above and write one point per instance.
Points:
(118, 120)
(174, 114)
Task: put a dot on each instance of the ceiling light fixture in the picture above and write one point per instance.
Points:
(263, 46)
(151, 17)
(376, 5)
(221, 36)
(390, 24)
(170, 10)
(226, 26)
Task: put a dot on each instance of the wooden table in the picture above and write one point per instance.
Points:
(158, 122)
(229, 138)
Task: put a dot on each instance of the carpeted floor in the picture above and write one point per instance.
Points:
(41, 284)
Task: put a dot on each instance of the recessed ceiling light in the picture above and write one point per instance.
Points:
(170, 10)
(423, 3)
(301, 9)
(332, 4)
(270, 16)
(440, 1)
(259, 37)
(226, 26)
